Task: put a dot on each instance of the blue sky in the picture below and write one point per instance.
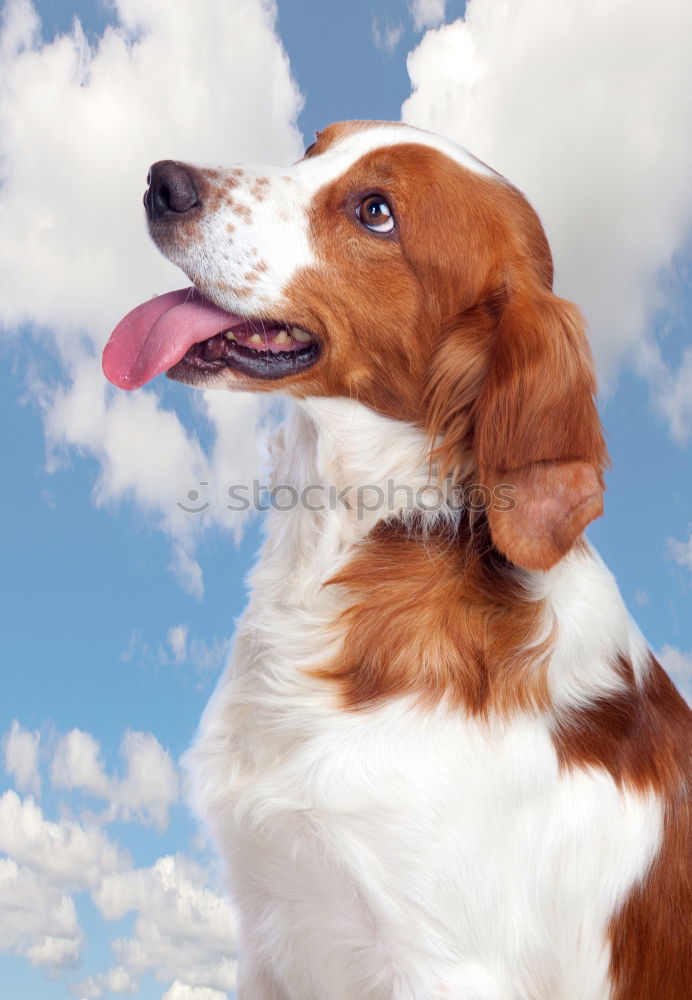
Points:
(118, 610)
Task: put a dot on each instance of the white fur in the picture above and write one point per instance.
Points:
(590, 626)
(404, 852)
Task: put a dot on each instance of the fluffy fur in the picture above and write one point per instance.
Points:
(441, 762)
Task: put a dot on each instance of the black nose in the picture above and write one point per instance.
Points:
(171, 190)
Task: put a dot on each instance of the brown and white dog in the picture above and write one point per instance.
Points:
(442, 761)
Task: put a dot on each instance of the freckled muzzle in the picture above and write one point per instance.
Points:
(185, 333)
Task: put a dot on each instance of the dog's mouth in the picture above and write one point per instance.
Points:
(189, 337)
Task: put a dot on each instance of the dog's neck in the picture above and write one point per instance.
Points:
(342, 448)
(334, 466)
(349, 445)
(338, 468)
(378, 466)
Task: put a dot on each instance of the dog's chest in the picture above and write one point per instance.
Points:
(446, 854)
(398, 851)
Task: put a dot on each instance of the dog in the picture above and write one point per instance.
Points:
(442, 762)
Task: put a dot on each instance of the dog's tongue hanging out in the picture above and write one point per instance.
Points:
(156, 335)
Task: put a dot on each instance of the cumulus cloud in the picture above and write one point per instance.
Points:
(117, 980)
(45, 862)
(79, 124)
(181, 991)
(183, 931)
(678, 665)
(66, 854)
(427, 13)
(586, 108)
(150, 785)
(145, 453)
(22, 758)
(37, 920)
(145, 792)
(77, 764)
(163, 81)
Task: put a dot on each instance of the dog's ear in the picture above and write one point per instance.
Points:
(524, 409)
(537, 429)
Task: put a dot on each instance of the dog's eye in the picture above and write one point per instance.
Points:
(375, 213)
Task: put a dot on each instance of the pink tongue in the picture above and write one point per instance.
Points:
(156, 335)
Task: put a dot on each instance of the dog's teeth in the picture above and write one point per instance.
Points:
(255, 339)
(282, 338)
(229, 336)
(302, 336)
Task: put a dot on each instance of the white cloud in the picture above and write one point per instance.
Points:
(21, 758)
(150, 785)
(146, 454)
(79, 125)
(675, 399)
(586, 108)
(77, 764)
(46, 861)
(184, 930)
(181, 991)
(117, 980)
(427, 13)
(679, 666)
(385, 34)
(176, 637)
(65, 854)
(37, 920)
(642, 598)
(146, 791)
(671, 388)
(681, 552)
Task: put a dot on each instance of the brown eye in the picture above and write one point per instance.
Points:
(376, 214)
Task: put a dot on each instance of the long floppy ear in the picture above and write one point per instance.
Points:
(536, 428)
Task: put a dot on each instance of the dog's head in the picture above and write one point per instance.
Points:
(392, 267)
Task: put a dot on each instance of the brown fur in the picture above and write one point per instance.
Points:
(643, 738)
(440, 616)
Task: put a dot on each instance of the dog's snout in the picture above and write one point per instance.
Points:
(171, 190)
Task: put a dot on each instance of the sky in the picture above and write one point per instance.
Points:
(119, 604)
